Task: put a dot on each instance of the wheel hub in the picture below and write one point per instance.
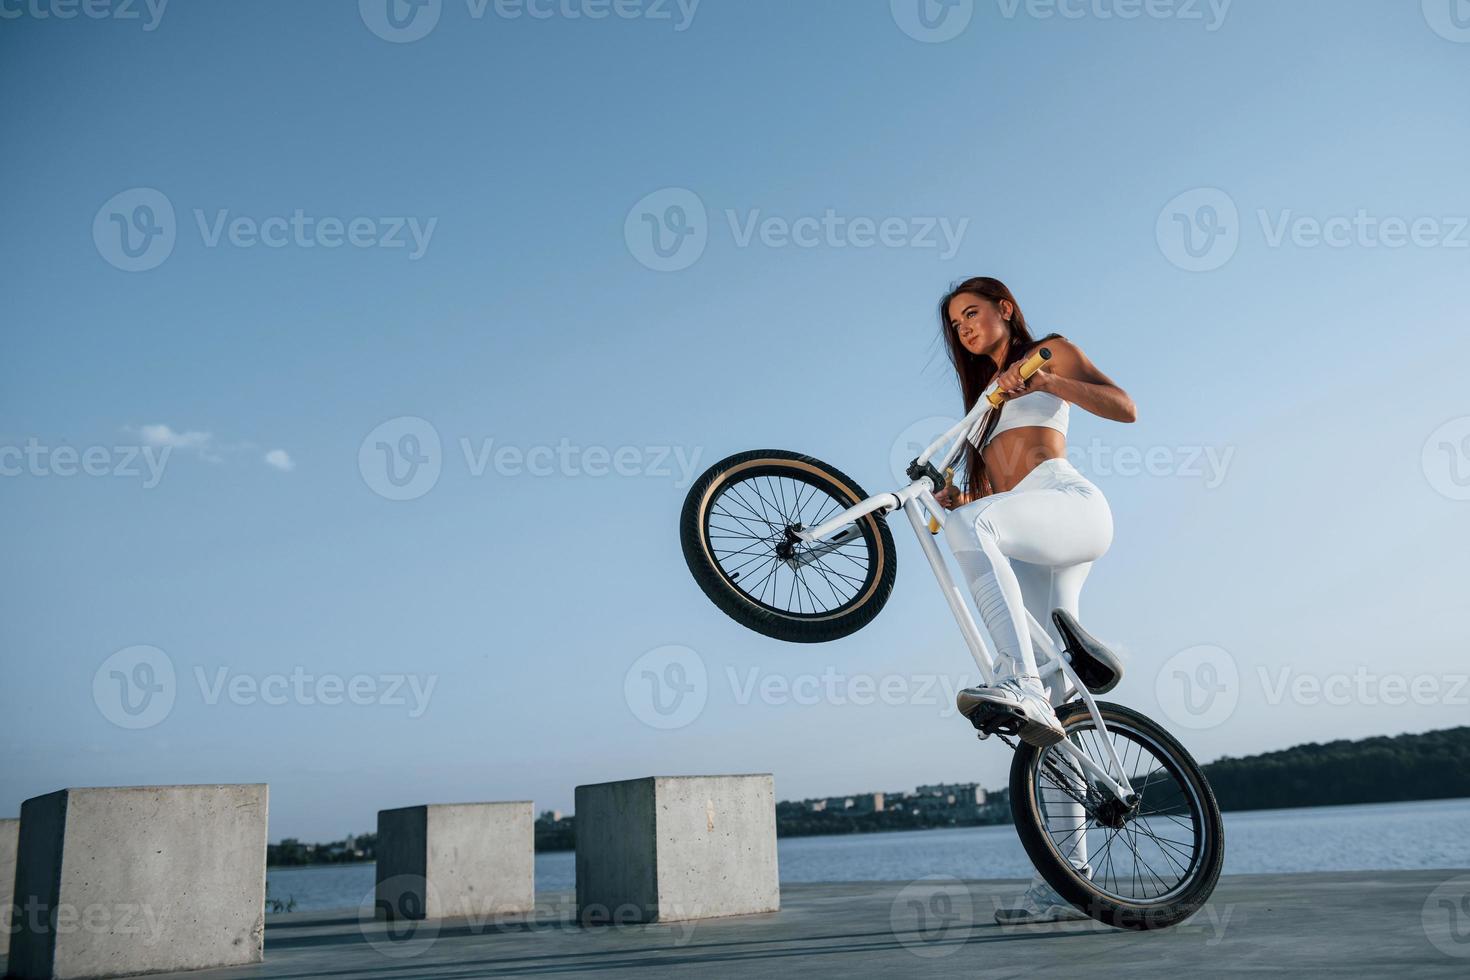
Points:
(1116, 813)
(786, 550)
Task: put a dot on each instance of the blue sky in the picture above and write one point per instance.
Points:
(454, 237)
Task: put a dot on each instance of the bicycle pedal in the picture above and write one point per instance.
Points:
(996, 721)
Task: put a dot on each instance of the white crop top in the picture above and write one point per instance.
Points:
(1034, 408)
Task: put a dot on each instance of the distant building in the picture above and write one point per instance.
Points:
(958, 794)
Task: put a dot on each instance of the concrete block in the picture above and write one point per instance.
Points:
(144, 879)
(667, 848)
(468, 860)
(9, 839)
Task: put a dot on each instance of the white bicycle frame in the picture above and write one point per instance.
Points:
(917, 501)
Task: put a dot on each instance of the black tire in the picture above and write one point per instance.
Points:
(1177, 817)
(753, 496)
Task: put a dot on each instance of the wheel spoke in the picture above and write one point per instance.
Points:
(748, 520)
(1147, 852)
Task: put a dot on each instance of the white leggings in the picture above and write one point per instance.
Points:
(1030, 549)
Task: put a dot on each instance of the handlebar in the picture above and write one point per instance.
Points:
(1032, 365)
(923, 485)
(992, 398)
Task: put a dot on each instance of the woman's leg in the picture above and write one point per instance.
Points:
(1043, 589)
(1053, 528)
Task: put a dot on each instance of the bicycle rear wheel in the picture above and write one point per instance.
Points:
(737, 531)
(1145, 866)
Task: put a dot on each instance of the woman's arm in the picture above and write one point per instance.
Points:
(1071, 376)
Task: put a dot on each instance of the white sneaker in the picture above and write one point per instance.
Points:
(1022, 699)
(1040, 904)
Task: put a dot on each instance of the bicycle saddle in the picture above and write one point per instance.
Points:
(1096, 666)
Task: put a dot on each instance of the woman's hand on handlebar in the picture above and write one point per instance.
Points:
(1010, 383)
(950, 497)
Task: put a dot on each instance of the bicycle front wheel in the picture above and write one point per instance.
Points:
(1147, 865)
(738, 534)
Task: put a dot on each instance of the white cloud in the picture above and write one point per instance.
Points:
(161, 436)
(281, 460)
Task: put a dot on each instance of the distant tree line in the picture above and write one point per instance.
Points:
(1431, 766)
(291, 852)
(800, 822)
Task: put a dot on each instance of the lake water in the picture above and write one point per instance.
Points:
(1369, 837)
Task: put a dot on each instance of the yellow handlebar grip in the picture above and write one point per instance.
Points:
(948, 482)
(1032, 365)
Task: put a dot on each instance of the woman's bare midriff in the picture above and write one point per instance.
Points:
(1016, 452)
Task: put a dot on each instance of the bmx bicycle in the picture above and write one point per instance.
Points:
(1117, 817)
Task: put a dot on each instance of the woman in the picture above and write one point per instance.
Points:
(1028, 526)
